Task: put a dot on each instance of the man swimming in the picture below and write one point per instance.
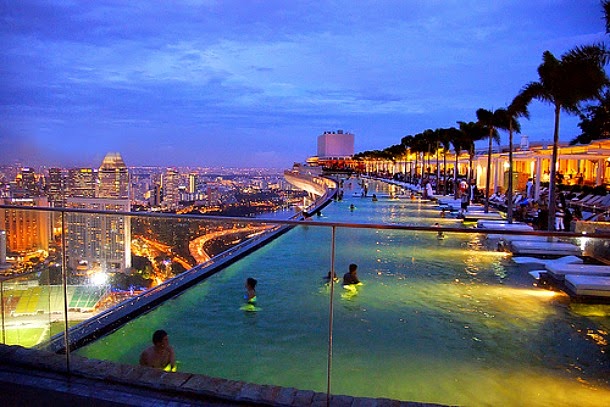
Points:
(160, 355)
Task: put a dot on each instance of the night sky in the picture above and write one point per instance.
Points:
(253, 83)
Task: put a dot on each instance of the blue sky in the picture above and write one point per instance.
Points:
(253, 83)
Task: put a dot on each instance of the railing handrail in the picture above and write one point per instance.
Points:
(312, 222)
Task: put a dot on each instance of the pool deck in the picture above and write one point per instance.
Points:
(35, 377)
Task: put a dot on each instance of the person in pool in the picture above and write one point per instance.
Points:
(327, 277)
(351, 277)
(250, 296)
(160, 355)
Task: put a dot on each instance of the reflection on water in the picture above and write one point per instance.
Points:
(435, 321)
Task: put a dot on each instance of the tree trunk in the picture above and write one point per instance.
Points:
(552, 185)
(509, 193)
(444, 172)
(488, 177)
(455, 174)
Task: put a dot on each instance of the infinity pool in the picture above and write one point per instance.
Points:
(445, 321)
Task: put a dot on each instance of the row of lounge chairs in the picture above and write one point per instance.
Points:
(590, 202)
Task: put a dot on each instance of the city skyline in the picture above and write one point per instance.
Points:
(240, 84)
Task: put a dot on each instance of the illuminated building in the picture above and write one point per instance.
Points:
(81, 182)
(27, 181)
(169, 184)
(192, 187)
(56, 188)
(26, 230)
(113, 178)
(102, 240)
(339, 145)
(99, 240)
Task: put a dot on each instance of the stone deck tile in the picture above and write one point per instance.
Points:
(303, 398)
(269, 393)
(286, 396)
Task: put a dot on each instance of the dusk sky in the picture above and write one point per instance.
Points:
(253, 83)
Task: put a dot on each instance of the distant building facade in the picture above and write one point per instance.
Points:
(102, 241)
(26, 230)
(335, 145)
(81, 182)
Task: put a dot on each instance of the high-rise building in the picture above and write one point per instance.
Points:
(97, 240)
(169, 184)
(192, 186)
(56, 188)
(27, 180)
(113, 178)
(335, 145)
(82, 182)
(26, 230)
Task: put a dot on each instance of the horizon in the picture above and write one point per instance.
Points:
(252, 85)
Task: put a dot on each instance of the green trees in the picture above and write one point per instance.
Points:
(517, 108)
(565, 83)
(491, 121)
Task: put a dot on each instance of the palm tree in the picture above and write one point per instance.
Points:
(517, 108)
(577, 77)
(491, 120)
(445, 138)
(469, 133)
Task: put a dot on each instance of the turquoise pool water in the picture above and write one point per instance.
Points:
(445, 321)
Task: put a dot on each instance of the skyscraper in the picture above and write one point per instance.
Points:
(82, 182)
(113, 178)
(56, 188)
(169, 184)
(102, 241)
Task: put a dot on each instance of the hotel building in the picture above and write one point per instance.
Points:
(101, 241)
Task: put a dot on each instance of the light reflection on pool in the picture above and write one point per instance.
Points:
(443, 321)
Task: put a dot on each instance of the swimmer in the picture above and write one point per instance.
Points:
(351, 277)
(374, 197)
(440, 234)
(250, 296)
(160, 355)
(352, 207)
(335, 278)
(442, 214)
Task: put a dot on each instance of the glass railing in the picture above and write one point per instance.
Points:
(431, 295)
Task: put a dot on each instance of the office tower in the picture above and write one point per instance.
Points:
(97, 240)
(338, 145)
(192, 186)
(28, 181)
(169, 184)
(113, 178)
(82, 182)
(26, 230)
(56, 187)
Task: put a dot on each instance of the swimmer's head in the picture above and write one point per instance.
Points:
(158, 336)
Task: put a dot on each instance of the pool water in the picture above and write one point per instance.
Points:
(445, 321)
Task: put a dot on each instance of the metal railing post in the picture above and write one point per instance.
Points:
(330, 316)
(2, 305)
(64, 273)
